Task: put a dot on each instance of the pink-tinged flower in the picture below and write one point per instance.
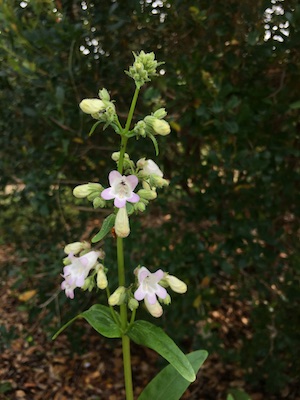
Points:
(121, 189)
(148, 286)
(77, 271)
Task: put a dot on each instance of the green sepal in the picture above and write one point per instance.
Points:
(154, 141)
(168, 384)
(149, 335)
(100, 318)
(108, 223)
(94, 127)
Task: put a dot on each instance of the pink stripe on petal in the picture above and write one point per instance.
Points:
(119, 203)
(134, 198)
(113, 175)
(107, 194)
(132, 180)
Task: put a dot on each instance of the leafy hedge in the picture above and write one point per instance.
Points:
(229, 221)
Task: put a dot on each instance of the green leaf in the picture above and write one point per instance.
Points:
(154, 141)
(94, 127)
(100, 318)
(295, 105)
(169, 384)
(149, 335)
(238, 394)
(108, 223)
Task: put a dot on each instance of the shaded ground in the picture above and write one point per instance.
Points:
(34, 368)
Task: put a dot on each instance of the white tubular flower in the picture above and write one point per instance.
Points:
(149, 167)
(122, 228)
(76, 247)
(117, 297)
(154, 309)
(149, 287)
(76, 272)
(175, 284)
(92, 106)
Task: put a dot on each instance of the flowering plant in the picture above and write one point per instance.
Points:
(85, 267)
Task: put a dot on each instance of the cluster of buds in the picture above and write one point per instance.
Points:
(101, 109)
(153, 124)
(143, 68)
(79, 262)
(91, 191)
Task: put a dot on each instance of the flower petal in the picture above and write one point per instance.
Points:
(161, 292)
(159, 274)
(113, 175)
(134, 198)
(139, 294)
(151, 297)
(119, 203)
(132, 180)
(143, 273)
(106, 194)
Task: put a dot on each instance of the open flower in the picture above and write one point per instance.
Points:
(77, 271)
(149, 167)
(121, 189)
(148, 286)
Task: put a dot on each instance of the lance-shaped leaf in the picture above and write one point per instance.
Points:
(169, 384)
(154, 141)
(101, 319)
(149, 335)
(108, 223)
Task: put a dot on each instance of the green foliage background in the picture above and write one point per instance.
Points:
(229, 222)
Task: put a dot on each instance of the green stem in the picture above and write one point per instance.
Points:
(121, 266)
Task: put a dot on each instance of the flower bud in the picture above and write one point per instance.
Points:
(122, 228)
(90, 190)
(166, 300)
(76, 247)
(140, 206)
(92, 106)
(101, 278)
(147, 194)
(104, 95)
(89, 284)
(98, 202)
(154, 309)
(133, 304)
(161, 127)
(158, 181)
(160, 113)
(175, 284)
(117, 297)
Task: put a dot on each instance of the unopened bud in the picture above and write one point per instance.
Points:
(104, 95)
(122, 228)
(140, 206)
(92, 106)
(161, 127)
(87, 189)
(147, 194)
(133, 304)
(176, 284)
(160, 113)
(76, 247)
(98, 202)
(158, 181)
(101, 279)
(117, 297)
